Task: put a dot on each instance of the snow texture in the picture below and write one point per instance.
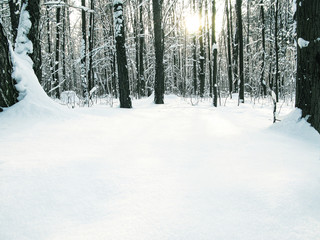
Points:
(118, 17)
(23, 44)
(174, 171)
(294, 6)
(303, 43)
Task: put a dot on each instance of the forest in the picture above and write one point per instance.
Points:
(198, 49)
(159, 119)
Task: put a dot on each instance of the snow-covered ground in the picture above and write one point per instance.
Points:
(168, 172)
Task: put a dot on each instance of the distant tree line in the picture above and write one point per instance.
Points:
(131, 49)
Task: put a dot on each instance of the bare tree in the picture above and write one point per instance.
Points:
(124, 92)
(308, 64)
(159, 51)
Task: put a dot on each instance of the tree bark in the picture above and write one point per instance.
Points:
(202, 58)
(229, 50)
(8, 92)
(159, 51)
(276, 51)
(124, 92)
(208, 41)
(263, 65)
(308, 61)
(14, 16)
(56, 82)
(194, 59)
(241, 68)
(33, 7)
(91, 42)
(84, 83)
(214, 55)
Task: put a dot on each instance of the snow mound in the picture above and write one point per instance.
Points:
(33, 101)
(296, 126)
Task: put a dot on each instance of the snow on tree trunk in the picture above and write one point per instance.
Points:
(8, 92)
(124, 92)
(308, 62)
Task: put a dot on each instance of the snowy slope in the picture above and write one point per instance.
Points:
(174, 171)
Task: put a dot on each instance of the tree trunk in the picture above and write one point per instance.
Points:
(56, 82)
(194, 60)
(262, 80)
(142, 88)
(33, 7)
(159, 50)
(209, 48)
(202, 55)
(8, 92)
(91, 39)
(214, 55)
(124, 92)
(51, 65)
(308, 64)
(235, 50)
(14, 16)
(276, 51)
(84, 83)
(229, 50)
(241, 71)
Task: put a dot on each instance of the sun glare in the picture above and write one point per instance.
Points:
(192, 23)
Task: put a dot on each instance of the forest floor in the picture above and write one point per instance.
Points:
(167, 172)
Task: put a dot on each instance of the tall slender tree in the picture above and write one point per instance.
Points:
(91, 42)
(214, 54)
(84, 83)
(263, 36)
(194, 52)
(124, 92)
(202, 58)
(56, 82)
(159, 51)
(241, 67)
(276, 49)
(229, 48)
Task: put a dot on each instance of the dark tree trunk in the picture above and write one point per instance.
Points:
(308, 64)
(159, 50)
(64, 50)
(84, 83)
(33, 8)
(194, 50)
(276, 51)
(202, 56)
(262, 80)
(214, 55)
(91, 39)
(229, 50)
(241, 71)
(209, 49)
(56, 82)
(140, 51)
(8, 92)
(124, 92)
(142, 88)
(49, 48)
(235, 49)
(14, 16)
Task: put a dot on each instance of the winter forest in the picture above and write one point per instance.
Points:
(160, 119)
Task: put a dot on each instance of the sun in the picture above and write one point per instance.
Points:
(192, 23)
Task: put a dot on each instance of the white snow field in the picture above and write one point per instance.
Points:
(173, 171)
